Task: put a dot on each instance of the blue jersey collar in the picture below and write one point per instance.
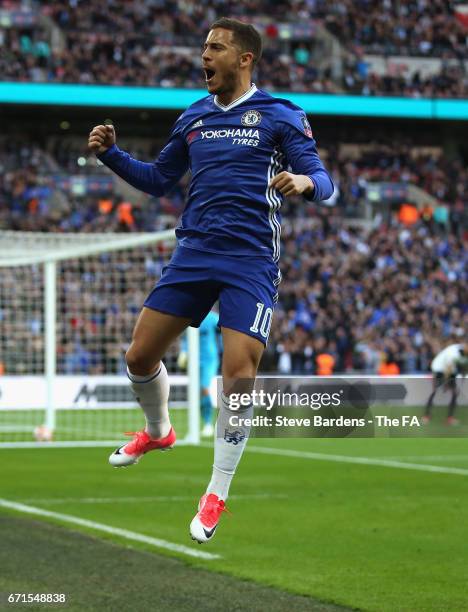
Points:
(248, 94)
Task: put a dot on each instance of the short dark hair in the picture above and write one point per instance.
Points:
(244, 36)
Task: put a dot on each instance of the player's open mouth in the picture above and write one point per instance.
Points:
(209, 74)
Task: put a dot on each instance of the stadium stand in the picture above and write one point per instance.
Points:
(395, 290)
(154, 45)
(402, 279)
(389, 244)
(63, 188)
(407, 27)
(354, 294)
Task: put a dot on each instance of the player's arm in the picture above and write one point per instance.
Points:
(308, 176)
(461, 366)
(153, 178)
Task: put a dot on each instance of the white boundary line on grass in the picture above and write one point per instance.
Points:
(133, 500)
(443, 458)
(358, 460)
(123, 533)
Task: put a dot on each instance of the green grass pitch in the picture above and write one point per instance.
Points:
(357, 535)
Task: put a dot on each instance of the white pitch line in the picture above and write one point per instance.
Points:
(358, 460)
(123, 533)
(131, 500)
(444, 458)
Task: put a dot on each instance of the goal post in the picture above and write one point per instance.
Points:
(68, 303)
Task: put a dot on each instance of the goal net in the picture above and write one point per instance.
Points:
(68, 304)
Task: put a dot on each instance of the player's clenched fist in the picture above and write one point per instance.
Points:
(101, 138)
(292, 184)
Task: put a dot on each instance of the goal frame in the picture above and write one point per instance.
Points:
(102, 243)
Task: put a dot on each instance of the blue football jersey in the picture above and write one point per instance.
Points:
(232, 152)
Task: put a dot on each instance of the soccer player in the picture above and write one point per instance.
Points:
(238, 143)
(445, 366)
(209, 364)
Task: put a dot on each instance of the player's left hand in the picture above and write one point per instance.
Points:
(292, 184)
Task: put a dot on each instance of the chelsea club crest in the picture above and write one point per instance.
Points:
(251, 117)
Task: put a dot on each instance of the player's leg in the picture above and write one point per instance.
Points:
(452, 386)
(183, 296)
(242, 354)
(246, 308)
(153, 334)
(241, 358)
(437, 381)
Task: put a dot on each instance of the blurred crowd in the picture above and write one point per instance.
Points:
(351, 300)
(55, 188)
(450, 82)
(394, 295)
(408, 27)
(354, 297)
(48, 190)
(156, 43)
(445, 178)
(98, 300)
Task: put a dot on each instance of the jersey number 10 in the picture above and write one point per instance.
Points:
(262, 320)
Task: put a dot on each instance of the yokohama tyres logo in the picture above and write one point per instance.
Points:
(230, 133)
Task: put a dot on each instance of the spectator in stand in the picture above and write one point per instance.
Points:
(388, 366)
(325, 362)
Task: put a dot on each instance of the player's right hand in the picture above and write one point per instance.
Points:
(101, 138)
